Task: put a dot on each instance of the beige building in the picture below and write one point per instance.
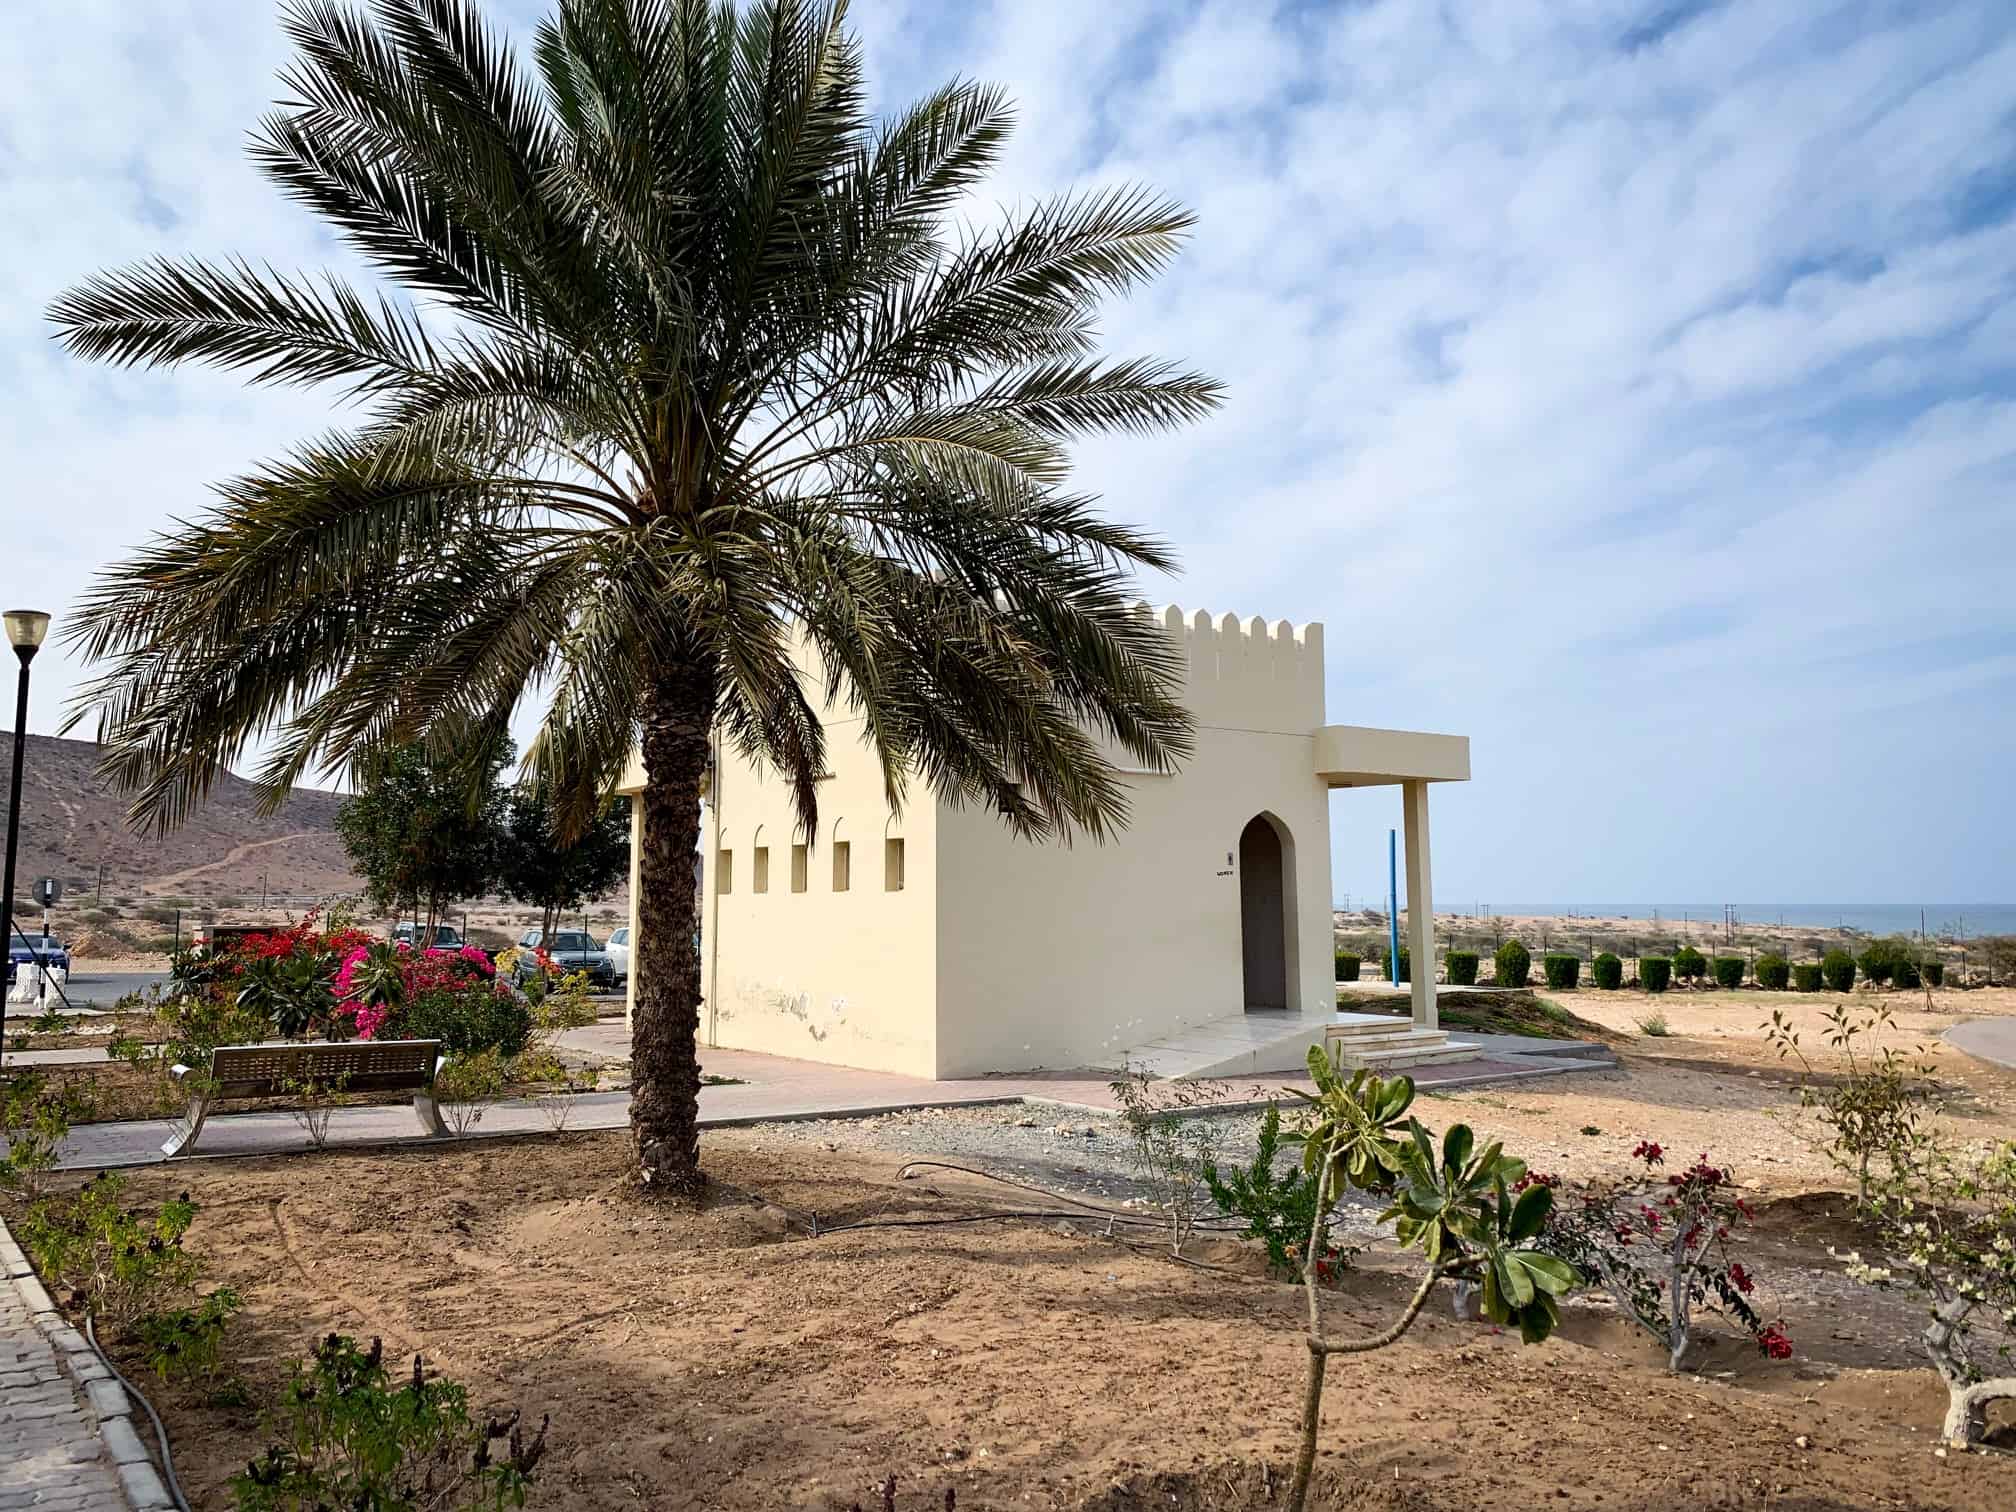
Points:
(933, 942)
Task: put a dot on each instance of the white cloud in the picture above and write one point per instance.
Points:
(1669, 371)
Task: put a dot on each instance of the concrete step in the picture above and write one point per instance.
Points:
(1400, 1056)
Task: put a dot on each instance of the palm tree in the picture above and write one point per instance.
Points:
(700, 410)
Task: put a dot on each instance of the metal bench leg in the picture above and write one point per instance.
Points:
(430, 1115)
(182, 1138)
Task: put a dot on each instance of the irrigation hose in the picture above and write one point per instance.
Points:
(160, 1429)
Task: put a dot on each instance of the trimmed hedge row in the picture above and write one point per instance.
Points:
(1689, 965)
(1406, 964)
(1347, 966)
(1561, 971)
(1609, 972)
(1656, 973)
(1729, 971)
(1837, 970)
(1806, 977)
(1514, 963)
(1774, 973)
(1462, 968)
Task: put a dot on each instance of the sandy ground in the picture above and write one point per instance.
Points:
(728, 1360)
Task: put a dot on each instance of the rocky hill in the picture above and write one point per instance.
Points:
(74, 827)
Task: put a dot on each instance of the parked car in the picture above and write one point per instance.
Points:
(618, 951)
(445, 937)
(47, 949)
(570, 950)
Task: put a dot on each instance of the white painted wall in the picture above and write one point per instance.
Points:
(1055, 957)
(1002, 955)
(842, 977)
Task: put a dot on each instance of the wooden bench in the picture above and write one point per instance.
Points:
(275, 1068)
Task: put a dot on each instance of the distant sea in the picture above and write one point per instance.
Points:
(1938, 919)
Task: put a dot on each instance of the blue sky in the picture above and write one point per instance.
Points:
(1628, 384)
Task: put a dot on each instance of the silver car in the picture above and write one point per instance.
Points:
(617, 949)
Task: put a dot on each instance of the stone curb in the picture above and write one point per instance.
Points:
(109, 1403)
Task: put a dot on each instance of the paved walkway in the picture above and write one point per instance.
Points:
(1993, 1039)
(768, 1088)
(52, 1449)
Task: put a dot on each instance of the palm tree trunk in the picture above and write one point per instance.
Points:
(664, 1059)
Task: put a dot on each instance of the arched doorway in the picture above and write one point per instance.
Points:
(1265, 887)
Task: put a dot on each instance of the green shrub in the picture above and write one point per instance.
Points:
(123, 1263)
(1881, 959)
(1935, 973)
(188, 1342)
(1729, 971)
(1654, 1025)
(1655, 973)
(1386, 964)
(1773, 973)
(1689, 965)
(469, 1021)
(1608, 971)
(349, 1438)
(1462, 968)
(1837, 969)
(1906, 974)
(1807, 976)
(1562, 971)
(1279, 1207)
(1347, 966)
(1514, 962)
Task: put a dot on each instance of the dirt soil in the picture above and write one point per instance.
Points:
(727, 1359)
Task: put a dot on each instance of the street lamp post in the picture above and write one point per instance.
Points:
(25, 630)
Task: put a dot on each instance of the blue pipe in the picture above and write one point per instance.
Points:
(1392, 906)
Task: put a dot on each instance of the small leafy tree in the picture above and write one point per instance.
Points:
(424, 827)
(1453, 1204)
(1172, 1144)
(1689, 965)
(536, 866)
(1946, 1221)
(347, 1438)
(1875, 1106)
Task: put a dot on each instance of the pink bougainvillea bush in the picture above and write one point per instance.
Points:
(1661, 1246)
(389, 991)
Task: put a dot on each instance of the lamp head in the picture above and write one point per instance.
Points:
(25, 631)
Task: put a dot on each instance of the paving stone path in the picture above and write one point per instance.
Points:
(67, 1436)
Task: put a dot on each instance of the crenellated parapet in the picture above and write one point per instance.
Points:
(1248, 674)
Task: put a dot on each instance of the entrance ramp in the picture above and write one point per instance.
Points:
(1271, 1041)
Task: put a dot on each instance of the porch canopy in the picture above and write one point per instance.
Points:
(1352, 756)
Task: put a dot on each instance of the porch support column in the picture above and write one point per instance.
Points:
(1420, 906)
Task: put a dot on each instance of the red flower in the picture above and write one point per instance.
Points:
(1648, 1152)
(1740, 1278)
(1772, 1340)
